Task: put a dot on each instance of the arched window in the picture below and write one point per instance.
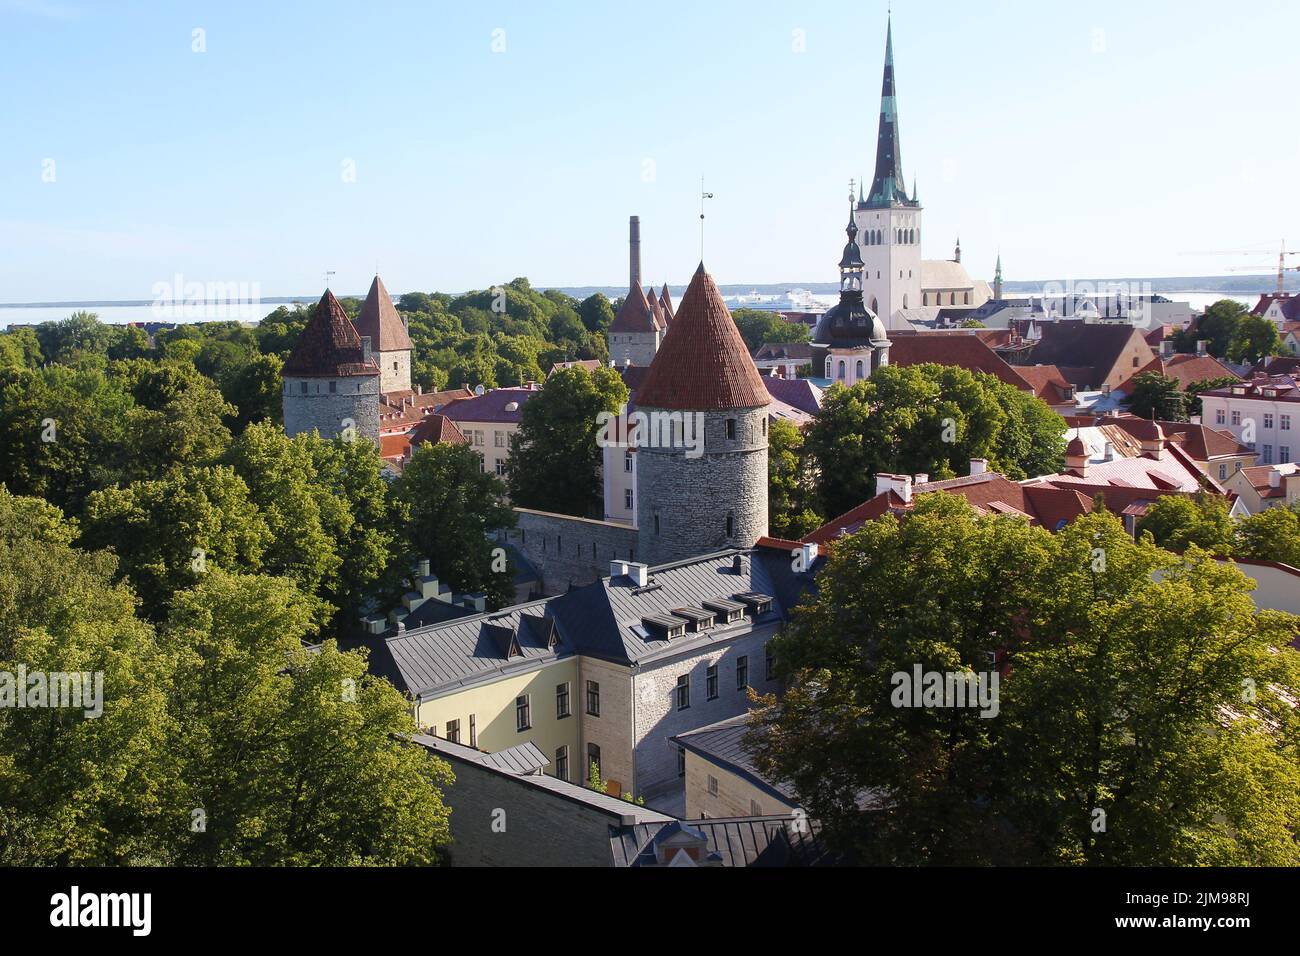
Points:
(905, 301)
(858, 371)
(830, 369)
(842, 370)
(874, 306)
(968, 298)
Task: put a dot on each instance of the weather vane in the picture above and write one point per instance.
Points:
(328, 275)
(852, 183)
(703, 196)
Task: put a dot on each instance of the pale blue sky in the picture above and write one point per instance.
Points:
(1107, 138)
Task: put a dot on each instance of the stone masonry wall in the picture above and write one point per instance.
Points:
(567, 550)
(355, 397)
(691, 497)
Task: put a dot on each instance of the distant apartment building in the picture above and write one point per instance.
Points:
(488, 420)
(1263, 413)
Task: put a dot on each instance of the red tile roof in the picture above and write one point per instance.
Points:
(437, 429)
(329, 346)
(1186, 369)
(666, 300)
(380, 320)
(945, 348)
(1289, 302)
(703, 363)
(635, 314)
(1048, 383)
(425, 401)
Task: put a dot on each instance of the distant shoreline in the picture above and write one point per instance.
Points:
(1237, 285)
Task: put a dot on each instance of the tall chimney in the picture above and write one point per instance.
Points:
(634, 252)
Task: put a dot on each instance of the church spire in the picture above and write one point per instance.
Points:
(888, 188)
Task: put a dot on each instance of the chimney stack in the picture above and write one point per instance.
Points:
(1202, 347)
(639, 573)
(634, 251)
(979, 466)
(1275, 478)
(900, 485)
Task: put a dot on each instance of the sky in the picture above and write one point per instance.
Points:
(453, 145)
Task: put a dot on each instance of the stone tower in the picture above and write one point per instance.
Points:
(331, 380)
(637, 330)
(390, 344)
(888, 220)
(702, 446)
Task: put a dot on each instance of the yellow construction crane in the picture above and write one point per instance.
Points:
(1282, 267)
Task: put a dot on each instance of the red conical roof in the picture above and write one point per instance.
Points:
(703, 363)
(635, 315)
(380, 320)
(329, 347)
(666, 300)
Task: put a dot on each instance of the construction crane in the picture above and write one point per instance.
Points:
(1282, 267)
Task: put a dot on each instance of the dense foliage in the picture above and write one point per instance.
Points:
(1145, 713)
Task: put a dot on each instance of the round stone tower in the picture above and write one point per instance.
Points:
(331, 380)
(702, 441)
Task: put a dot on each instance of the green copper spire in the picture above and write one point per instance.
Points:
(888, 187)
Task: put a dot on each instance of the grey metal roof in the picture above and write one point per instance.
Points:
(602, 619)
(724, 744)
(525, 758)
(603, 802)
(738, 841)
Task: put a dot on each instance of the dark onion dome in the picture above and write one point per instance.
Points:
(850, 324)
(703, 364)
(379, 320)
(329, 346)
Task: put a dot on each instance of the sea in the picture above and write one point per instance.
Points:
(121, 313)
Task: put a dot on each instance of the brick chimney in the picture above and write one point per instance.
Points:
(900, 485)
(634, 250)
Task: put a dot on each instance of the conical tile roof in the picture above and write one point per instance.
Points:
(702, 364)
(380, 320)
(635, 315)
(329, 347)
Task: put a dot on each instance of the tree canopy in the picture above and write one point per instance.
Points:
(1141, 714)
(927, 419)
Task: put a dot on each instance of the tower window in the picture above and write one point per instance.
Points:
(656, 524)
(731, 429)
(334, 386)
(731, 523)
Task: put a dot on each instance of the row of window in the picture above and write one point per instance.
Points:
(683, 692)
(524, 705)
(876, 237)
(938, 298)
(561, 767)
(1283, 455)
(453, 731)
(1283, 421)
(332, 389)
(728, 524)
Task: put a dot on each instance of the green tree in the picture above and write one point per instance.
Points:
(1142, 691)
(454, 506)
(20, 348)
(791, 487)
(171, 531)
(1271, 535)
(758, 326)
(930, 419)
(78, 789)
(555, 457)
(1217, 327)
(596, 313)
(1176, 523)
(1157, 397)
(1255, 338)
(294, 757)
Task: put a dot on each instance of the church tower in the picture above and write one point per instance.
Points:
(331, 380)
(389, 341)
(888, 220)
(850, 342)
(702, 449)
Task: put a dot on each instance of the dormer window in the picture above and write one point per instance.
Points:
(758, 604)
(665, 627)
(728, 612)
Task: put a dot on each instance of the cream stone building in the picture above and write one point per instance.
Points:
(606, 673)
(488, 420)
(720, 779)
